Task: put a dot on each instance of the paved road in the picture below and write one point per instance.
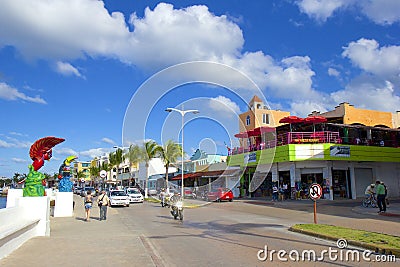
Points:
(226, 233)
(221, 234)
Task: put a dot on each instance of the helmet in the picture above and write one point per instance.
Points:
(372, 185)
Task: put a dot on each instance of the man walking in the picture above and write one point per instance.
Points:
(103, 202)
(380, 196)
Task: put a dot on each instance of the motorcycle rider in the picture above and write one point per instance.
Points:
(173, 201)
(162, 197)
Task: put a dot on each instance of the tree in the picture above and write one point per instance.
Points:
(116, 158)
(134, 155)
(151, 150)
(94, 172)
(170, 152)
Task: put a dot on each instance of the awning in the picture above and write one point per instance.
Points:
(205, 174)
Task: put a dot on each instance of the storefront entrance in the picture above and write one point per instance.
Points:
(341, 184)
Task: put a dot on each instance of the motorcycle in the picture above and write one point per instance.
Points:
(177, 210)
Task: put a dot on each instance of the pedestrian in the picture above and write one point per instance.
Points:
(274, 192)
(103, 202)
(88, 204)
(285, 190)
(380, 196)
(386, 193)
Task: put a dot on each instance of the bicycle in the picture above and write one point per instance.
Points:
(370, 202)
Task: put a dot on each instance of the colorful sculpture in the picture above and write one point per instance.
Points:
(64, 174)
(40, 151)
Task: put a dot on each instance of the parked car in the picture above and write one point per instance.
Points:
(220, 194)
(78, 190)
(134, 195)
(86, 189)
(189, 193)
(119, 198)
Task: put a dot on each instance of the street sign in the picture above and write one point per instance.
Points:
(315, 191)
(103, 174)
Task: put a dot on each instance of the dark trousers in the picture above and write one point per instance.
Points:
(103, 212)
(381, 202)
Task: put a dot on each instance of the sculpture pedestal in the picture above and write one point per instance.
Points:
(63, 204)
(12, 195)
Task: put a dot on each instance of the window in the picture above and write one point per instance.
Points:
(248, 120)
(265, 118)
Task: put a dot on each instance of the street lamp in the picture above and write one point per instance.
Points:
(182, 112)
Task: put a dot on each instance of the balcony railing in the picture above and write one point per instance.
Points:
(292, 138)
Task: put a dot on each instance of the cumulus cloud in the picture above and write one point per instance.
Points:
(95, 152)
(224, 106)
(381, 12)
(321, 10)
(367, 55)
(370, 93)
(66, 151)
(67, 69)
(108, 141)
(10, 93)
(333, 72)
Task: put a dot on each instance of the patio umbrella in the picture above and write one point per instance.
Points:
(242, 135)
(315, 119)
(290, 120)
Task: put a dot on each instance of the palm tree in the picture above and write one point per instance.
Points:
(151, 150)
(94, 172)
(116, 158)
(170, 152)
(134, 155)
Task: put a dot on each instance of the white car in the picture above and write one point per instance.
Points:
(119, 198)
(134, 195)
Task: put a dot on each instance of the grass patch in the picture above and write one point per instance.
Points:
(370, 240)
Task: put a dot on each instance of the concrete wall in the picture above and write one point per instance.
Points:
(29, 217)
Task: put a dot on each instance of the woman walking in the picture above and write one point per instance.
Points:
(88, 204)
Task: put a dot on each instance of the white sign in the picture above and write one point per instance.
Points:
(340, 151)
(315, 191)
(103, 174)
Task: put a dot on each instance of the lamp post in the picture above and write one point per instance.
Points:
(182, 112)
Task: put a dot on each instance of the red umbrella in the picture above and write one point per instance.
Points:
(242, 135)
(290, 120)
(315, 119)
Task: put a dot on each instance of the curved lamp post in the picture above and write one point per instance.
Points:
(182, 112)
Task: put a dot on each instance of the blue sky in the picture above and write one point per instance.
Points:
(77, 68)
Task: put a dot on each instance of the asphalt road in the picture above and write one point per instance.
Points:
(225, 234)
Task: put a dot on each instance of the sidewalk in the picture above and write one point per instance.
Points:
(74, 242)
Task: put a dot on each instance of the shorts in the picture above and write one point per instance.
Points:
(88, 205)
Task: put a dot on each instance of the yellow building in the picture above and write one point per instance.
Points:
(83, 167)
(259, 115)
(348, 114)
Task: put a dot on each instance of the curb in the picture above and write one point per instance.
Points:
(374, 248)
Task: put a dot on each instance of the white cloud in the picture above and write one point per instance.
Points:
(365, 92)
(9, 93)
(224, 106)
(320, 10)
(108, 141)
(67, 69)
(382, 11)
(303, 108)
(367, 55)
(18, 160)
(95, 152)
(333, 72)
(66, 151)
(5, 144)
(379, 11)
